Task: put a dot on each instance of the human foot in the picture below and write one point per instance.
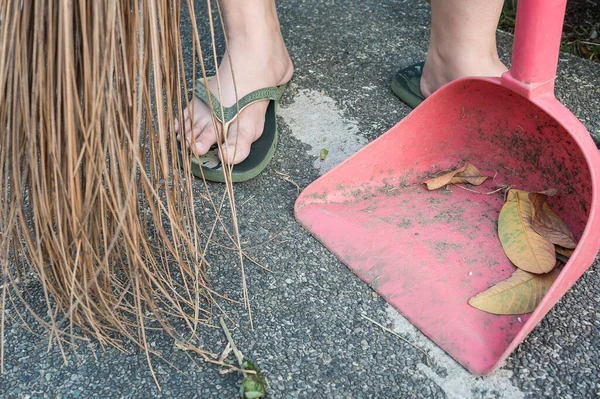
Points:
(439, 70)
(260, 59)
(462, 43)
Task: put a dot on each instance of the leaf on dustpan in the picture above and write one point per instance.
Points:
(564, 251)
(548, 224)
(520, 293)
(468, 174)
(524, 247)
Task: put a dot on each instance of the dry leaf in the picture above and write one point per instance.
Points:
(520, 293)
(550, 192)
(467, 174)
(524, 247)
(548, 224)
(564, 251)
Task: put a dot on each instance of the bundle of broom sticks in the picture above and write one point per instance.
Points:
(96, 207)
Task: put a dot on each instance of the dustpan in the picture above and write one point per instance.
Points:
(427, 252)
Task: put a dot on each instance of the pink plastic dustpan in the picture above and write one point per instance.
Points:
(426, 252)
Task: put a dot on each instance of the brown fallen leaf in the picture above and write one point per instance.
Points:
(548, 224)
(550, 192)
(468, 174)
(519, 294)
(564, 251)
(524, 247)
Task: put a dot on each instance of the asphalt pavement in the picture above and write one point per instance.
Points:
(310, 338)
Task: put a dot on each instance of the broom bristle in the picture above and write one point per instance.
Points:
(93, 207)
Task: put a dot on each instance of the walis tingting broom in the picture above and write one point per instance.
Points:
(96, 210)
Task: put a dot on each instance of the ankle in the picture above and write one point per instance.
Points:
(251, 22)
(443, 66)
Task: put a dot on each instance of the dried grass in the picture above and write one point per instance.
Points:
(93, 206)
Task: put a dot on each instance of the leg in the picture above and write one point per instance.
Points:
(259, 59)
(462, 43)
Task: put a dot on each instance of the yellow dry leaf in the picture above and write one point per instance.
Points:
(564, 251)
(524, 247)
(467, 174)
(519, 294)
(548, 224)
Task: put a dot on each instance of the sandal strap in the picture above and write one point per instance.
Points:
(230, 113)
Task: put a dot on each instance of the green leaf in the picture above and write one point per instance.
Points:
(254, 385)
(324, 152)
(565, 48)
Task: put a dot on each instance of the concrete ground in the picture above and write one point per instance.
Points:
(310, 338)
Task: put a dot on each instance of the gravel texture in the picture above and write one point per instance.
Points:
(309, 337)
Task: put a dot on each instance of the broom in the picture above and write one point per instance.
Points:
(94, 209)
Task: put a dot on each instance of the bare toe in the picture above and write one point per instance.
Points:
(205, 139)
(186, 118)
(241, 136)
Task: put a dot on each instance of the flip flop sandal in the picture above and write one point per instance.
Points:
(407, 84)
(261, 151)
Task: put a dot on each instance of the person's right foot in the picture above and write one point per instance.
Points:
(439, 70)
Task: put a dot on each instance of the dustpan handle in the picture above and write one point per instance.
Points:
(538, 32)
